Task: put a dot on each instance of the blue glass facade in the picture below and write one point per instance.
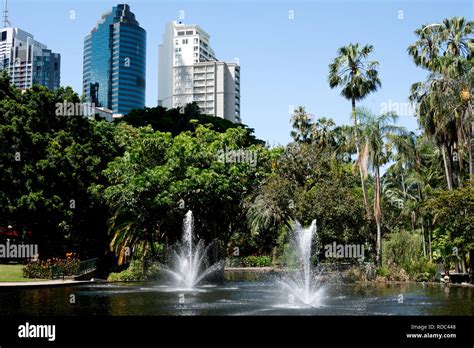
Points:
(114, 62)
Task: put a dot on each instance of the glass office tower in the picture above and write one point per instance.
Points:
(114, 62)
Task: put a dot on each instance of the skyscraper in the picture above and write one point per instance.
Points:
(28, 61)
(189, 71)
(114, 62)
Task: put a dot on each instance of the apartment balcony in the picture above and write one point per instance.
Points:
(199, 76)
(199, 90)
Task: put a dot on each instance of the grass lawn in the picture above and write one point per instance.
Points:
(13, 273)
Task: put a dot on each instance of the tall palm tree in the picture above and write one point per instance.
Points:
(375, 132)
(446, 50)
(457, 34)
(358, 77)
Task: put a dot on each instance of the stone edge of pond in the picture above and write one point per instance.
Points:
(47, 283)
(411, 282)
(252, 269)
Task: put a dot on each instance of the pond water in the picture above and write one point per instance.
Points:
(237, 297)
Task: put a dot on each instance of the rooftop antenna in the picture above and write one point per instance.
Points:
(6, 22)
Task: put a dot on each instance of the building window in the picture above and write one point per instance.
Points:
(189, 32)
(180, 33)
(196, 40)
(185, 41)
(196, 48)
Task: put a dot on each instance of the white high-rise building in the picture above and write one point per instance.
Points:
(28, 61)
(189, 71)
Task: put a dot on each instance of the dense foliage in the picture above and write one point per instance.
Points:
(119, 190)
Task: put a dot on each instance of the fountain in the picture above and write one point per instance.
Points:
(189, 266)
(304, 283)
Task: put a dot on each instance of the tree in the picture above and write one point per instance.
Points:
(444, 109)
(160, 177)
(409, 181)
(358, 77)
(453, 216)
(48, 164)
(178, 120)
(301, 123)
(375, 131)
(308, 184)
(323, 132)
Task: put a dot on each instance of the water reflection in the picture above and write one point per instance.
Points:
(257, 297)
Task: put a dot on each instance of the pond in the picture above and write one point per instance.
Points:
(260, 296)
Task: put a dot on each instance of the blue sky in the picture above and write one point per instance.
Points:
(284, 47)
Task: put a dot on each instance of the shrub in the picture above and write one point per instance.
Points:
(249, 261)
(51, 268)
(402, 248)
(40, 270)
(134, 272)
(382, 272)
(403, 258)
(422, 271)
(258, 261)
(355, 274)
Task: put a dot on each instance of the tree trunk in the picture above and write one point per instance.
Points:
(378, 215)
(447, 166)
(361, 172)
(424, 242)
(145, 249)
(429, 243)
(457, 167)
(469, 150)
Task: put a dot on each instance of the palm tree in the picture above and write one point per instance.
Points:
(444, 99)
(375, 131)
(323, 132)
(457, 34)
(451, 38)
(408, 182)
(301, 122)
(344, 143)
(358, 77)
